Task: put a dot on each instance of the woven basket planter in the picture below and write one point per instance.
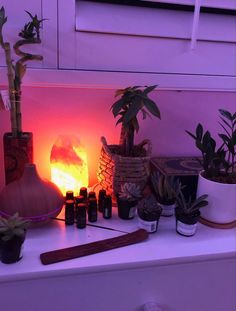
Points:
(114, 169)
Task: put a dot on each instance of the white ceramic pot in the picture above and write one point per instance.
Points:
(221, 208)
(167, 210)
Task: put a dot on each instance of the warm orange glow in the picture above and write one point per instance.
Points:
(69, 167)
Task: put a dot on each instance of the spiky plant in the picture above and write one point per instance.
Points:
(130, 191)
(13, 226)
(218, 163)
(188, 206)
(133, 100)
(166, 188)
(30, 34)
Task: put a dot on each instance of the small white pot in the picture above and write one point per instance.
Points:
(149, 226)
(167, 210)
(186, 229)
(221, 206)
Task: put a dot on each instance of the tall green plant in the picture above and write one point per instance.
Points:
(30, 34)
(133, 100)
(218, 163)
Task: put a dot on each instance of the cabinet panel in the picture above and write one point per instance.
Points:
(17, 18)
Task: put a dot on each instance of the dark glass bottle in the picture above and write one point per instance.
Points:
(92, 210)
(83, 191)
(81, 215)
(78, 199)
(69, 195)
(69, 212)
(101, 196)
(107, 207)
(92, 194)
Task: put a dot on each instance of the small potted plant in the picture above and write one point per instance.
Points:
(149, 212)
(166, 189)
(187, 213)
(128, 162)
(18, 145)
(218, 178)
(127, 200)
(12, 236)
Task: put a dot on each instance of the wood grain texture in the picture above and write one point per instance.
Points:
(93, 248)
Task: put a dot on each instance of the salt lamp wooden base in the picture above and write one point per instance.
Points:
(17, 152)
(32, 197)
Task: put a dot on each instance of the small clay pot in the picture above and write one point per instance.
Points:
(126, 208)
(11, 250)
(186, 225)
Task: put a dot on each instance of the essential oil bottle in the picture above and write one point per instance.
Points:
(83, 191)
(92, 210)
(81, 215)
(69, 195)
(69, 212)
(92, 194)
(107, 207)
(101, 196)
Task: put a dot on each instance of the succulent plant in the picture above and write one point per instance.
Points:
(219, 164)
(189, 206)
(133, 100)
(13, 226)
(166, 188)
(130, 191)
(149, 208)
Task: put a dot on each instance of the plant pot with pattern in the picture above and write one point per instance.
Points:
(127, 162)
(12, 235)
(218, 178)
(187, 214)
(127, 200)
(18, 145)
(166, 189)
(149, 212)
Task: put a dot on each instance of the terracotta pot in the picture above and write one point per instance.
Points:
(221, 208)
(32, 197)
(17, 152)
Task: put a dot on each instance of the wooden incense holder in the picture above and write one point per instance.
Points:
(93, 248)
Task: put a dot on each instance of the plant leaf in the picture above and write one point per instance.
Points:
(152, 107)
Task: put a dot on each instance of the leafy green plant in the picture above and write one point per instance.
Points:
(218, 163)
(166, 188)
(189, 207)
(130, 191)
(13, 226)
(30, 34)
(133, 100)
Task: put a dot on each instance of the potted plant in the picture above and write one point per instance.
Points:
(187, 213)
(127, 162)
(149, 212)
(218, 178)
(127, 200)
(12, 236)
(18, 147)
(166, 189)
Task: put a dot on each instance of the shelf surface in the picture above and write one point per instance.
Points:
(161, 248)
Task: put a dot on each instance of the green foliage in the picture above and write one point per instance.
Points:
(130, 191)
(189, 207)
(133, 100)
(3, 20)
(220, 161)
(166, 188)
(13, 226)
(31, 29)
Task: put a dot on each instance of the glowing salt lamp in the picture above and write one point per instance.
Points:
(69, 167)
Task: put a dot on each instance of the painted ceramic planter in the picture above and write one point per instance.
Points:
(17, 152)
(221, 207)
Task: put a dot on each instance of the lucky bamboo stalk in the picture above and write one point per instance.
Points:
(30, 34)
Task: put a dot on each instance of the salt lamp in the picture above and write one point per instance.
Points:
(69, 167)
